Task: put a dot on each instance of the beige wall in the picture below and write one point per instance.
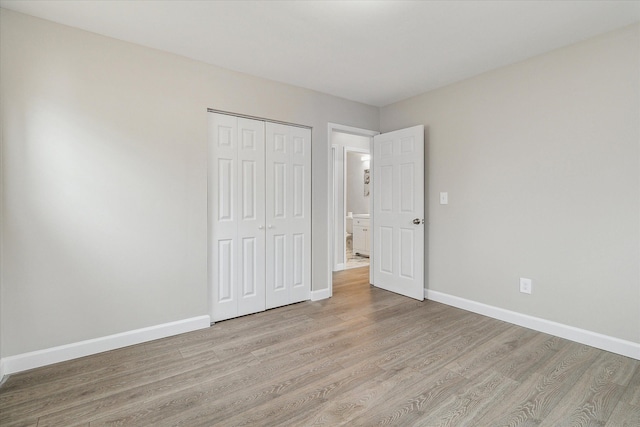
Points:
(541, 162)
(104, 177)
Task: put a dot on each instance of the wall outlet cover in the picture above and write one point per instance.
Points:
(526, 285)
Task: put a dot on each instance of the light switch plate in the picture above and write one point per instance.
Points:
(444, 198)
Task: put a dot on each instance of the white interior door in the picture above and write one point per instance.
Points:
(236, 216)
(288, 215)
(398, 211)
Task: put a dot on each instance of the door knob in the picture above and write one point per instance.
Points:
(416, 221)
(261, 227)
(270, 226)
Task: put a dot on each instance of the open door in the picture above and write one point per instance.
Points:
(398, 212)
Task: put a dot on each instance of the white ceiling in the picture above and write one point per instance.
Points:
(375, 52)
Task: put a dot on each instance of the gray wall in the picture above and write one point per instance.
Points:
(356, 200)
(104, 179)
(541, 162)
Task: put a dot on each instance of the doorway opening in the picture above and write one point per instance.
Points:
(349, 208)
(357, 196)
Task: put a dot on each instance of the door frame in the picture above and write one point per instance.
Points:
(331, 128)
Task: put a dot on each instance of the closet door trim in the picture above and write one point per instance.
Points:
(262, 119)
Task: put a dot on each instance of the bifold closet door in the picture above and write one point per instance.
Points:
(288, 214)
(236, 187)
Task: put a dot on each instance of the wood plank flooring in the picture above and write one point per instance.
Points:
(365, 357)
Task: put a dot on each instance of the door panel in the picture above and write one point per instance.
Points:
(386, 188)
(279, 263)
(298, 261)
(279, 190)
(225, 271)
(406, 188)
(300, 235)
(249, 195)
(251, 222)
(236, 197)
(225, 189)
(406, 253)
(298, 191)
(386, 249)
(222, 222)
(288, 265)
(249, 267)
(398, 199)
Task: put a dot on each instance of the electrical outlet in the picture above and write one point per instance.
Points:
(526, 286)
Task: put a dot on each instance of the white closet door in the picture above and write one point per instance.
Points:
(251, 217)
(288, 214)
(236, 216)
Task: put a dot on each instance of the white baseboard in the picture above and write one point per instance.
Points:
(36, 359)
(582, 336)
(339, 267)
(2, 373)
(321, 294)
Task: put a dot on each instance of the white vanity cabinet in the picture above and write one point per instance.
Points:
(361, 233)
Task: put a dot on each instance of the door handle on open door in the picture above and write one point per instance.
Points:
(416, 221)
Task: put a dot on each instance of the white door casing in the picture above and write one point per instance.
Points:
(236, 216)
(288, 214)
(398, 201)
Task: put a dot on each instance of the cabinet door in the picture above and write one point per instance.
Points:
(288, 214)
(367, 241)
(359, 236)
(236, 216)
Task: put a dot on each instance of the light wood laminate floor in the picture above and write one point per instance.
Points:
(365, 357)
